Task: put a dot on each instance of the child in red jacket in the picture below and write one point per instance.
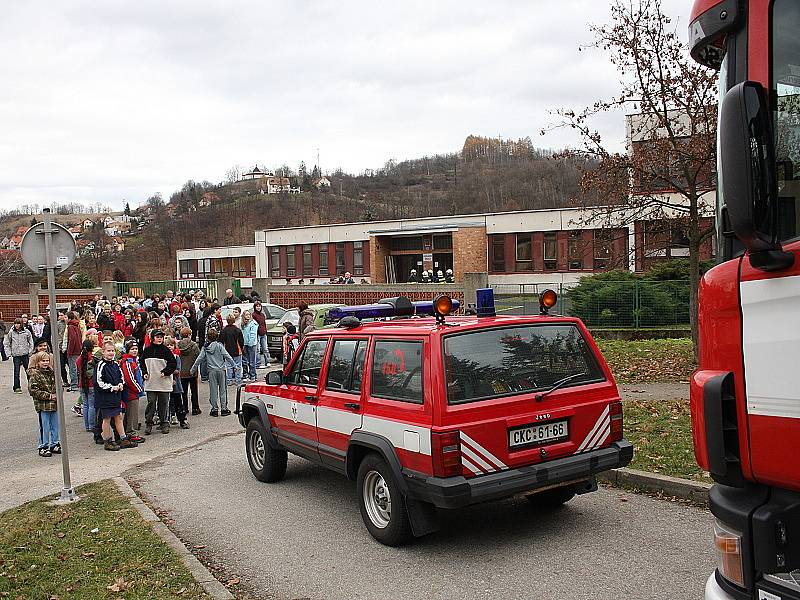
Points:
(134, 389)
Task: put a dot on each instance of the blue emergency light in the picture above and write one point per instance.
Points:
(485, 302)
(396, 307)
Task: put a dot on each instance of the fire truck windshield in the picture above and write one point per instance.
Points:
(786, 113)
(509, 361)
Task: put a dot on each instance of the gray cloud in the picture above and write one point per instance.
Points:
(112, 100)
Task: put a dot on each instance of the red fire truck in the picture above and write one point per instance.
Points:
(745, 402)
(427, 412)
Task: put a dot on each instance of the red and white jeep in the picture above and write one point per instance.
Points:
(424, 413)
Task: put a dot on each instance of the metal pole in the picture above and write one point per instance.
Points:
(67, 492)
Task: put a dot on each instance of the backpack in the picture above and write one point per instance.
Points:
(292, 343)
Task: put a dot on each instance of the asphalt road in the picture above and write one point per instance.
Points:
(303, 538)
(24, 475)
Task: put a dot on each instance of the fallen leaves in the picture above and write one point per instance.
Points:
(648, 361)
(119, 585)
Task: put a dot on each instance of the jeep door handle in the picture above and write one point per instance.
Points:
(312, 399)
(352, 405)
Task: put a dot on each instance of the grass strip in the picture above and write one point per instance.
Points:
(648, 361)
(661, 433)
(98, 547)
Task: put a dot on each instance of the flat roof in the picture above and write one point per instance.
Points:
(439, 217)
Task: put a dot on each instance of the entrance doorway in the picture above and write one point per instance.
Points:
(403, 263)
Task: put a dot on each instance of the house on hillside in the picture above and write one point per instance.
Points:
(15, 241)
(87, 224)
(115, 244)
(207, 199)
(4, 243)
(322, 183)
(76, 231)
(270, 183)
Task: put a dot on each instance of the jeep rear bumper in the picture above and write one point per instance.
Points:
(454, 492)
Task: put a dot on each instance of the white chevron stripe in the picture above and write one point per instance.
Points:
(466, 450)
(483, 451)
(594, 430)
(599, 433)
(603, 436)
(471, 466)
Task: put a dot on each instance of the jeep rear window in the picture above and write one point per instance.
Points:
(509, 361)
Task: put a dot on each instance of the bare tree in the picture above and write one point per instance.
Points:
(233, 174)
(669, 165)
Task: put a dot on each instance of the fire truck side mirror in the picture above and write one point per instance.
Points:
(747, 174)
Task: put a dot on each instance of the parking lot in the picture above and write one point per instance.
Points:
(303, 538)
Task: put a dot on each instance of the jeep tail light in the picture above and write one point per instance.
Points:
(446, 453)
(728, 544)
(615, 412)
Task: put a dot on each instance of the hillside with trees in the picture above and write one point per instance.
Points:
(486, 175)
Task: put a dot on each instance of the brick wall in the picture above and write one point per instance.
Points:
(291, 296)
(469, 251)
(378, 251)
(12, 307)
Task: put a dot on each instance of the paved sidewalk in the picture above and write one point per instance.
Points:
(24, 475)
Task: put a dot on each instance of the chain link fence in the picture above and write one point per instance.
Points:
(625, 303)
(148, 288)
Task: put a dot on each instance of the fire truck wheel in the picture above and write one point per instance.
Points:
(552, 498)
(268, 465)
(382, 506)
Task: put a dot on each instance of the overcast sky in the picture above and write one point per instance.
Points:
(112, 100)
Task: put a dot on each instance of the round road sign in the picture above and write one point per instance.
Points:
(63, 248)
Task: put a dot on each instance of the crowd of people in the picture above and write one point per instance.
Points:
(118, 351)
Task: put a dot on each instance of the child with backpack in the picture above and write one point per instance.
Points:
(177, 409)
(42, 388)
(108, 386)
(85, 368)
(291, 341)
(134, 389)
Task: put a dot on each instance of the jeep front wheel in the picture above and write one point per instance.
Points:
(266, 463)
(382, 506)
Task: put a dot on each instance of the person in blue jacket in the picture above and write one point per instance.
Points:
(108, 386)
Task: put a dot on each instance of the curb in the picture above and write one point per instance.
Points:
(695, 491)
(213, 588)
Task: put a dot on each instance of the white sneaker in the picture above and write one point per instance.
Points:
(173, 420)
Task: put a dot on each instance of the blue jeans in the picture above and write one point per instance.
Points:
(87, 399)
(262, 348)
(20, 362)
(48, 429)
(235, 371)
(249, 362)
(73, 371)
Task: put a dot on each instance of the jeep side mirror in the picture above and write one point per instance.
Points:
(275, 377)
(747, 174)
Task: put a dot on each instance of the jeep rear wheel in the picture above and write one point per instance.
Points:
(382, 506)
(552, 498)
(266, 463)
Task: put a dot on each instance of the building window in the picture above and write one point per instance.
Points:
(499, 253)
(275, 261)
(290, 261)
(221, 266)
(340, 258)
(307, 259)
(407, 242)
(323, 259)
(575, 251)
(443, 241)
(524, 252)
(550, 251)
(204, 268)
(242, 267)
(358, 258)
(603, 248)
(186, 269)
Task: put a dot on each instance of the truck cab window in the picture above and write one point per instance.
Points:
(786, 113)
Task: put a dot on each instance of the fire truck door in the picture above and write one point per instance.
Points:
(340, 407)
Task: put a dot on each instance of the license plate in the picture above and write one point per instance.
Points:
(536, 435)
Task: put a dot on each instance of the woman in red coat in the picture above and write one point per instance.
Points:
(74, 341)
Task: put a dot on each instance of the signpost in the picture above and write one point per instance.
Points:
(50, 247)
